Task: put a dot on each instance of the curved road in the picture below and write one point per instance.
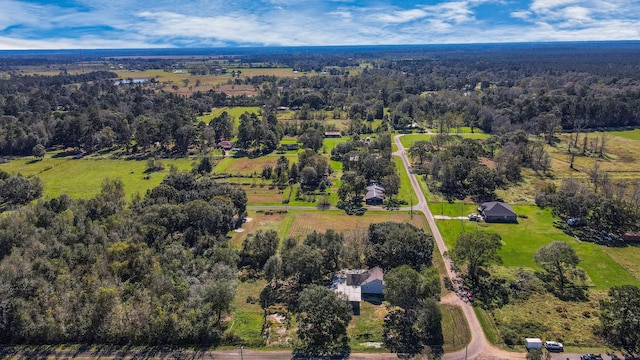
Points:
(479, 347)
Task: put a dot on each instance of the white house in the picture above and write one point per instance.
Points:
(356, 283)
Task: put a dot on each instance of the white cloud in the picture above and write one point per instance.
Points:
(7, 43)
(546, 5)
(402, 16)
(133, 23)
(524, 15)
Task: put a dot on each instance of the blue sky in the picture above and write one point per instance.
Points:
(88, 24)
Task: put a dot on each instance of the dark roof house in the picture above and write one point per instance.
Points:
(375, 195)
(495, 211)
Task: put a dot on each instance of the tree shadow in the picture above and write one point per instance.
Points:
(320, 353)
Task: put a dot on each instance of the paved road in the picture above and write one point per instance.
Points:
(113, 353)
(479, 347)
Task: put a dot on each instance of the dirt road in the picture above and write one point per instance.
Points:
(479, 347)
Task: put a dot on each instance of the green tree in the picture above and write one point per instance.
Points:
(476, 250)
(393, 244)
(311, 139)
(303, 261)
(38, 151)
(429, 323)
(206, 165)
(620, 318)
(330, 245)
(408, 289)
(257, 248)
(398, 333)
(323, 317)
(559, 261)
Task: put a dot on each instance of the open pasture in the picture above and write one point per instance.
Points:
(82, 178)
(321, 221)
(249, 166)
(257, 221)
(570, 322)
(521, 241)
(234, 112)
(620, 156)
(409, 139)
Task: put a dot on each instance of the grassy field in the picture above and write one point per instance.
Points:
(234, 112)
(628, 134)
(620, 158)
(249, 166)
(489, 327)
(82, 178)
(366, 328)
(455, 328)
(257, 221)
(330, 143)
(522, 240)
(569, 322)
(246, 318)
(337, 220)
(405, 192)
(408, 140)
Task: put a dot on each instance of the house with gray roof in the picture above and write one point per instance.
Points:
(496, 211)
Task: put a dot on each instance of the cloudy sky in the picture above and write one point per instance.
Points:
(87, 24)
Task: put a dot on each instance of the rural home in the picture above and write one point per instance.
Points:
(227, 145)
(356, 283)
(289, 146)
(332, 134)
(375, 195)
(495, 211)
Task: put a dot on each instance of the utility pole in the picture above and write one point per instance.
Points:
(242, 356)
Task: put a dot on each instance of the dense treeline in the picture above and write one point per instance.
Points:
(97, 271)
(498, 89)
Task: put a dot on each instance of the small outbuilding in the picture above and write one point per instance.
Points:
(496, 211)
(227, 145)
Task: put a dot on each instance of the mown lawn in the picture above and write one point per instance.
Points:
(628, 134)
(82, 178)
(522, 240)
(405, 192)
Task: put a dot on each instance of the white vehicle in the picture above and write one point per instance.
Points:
(532, 343)
(553, 346)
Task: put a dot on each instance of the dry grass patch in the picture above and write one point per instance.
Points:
(264, 195)
(246, 166)
(568, 322)
(256, 221)
(321, 221)
(620, 157)
(455, 329)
